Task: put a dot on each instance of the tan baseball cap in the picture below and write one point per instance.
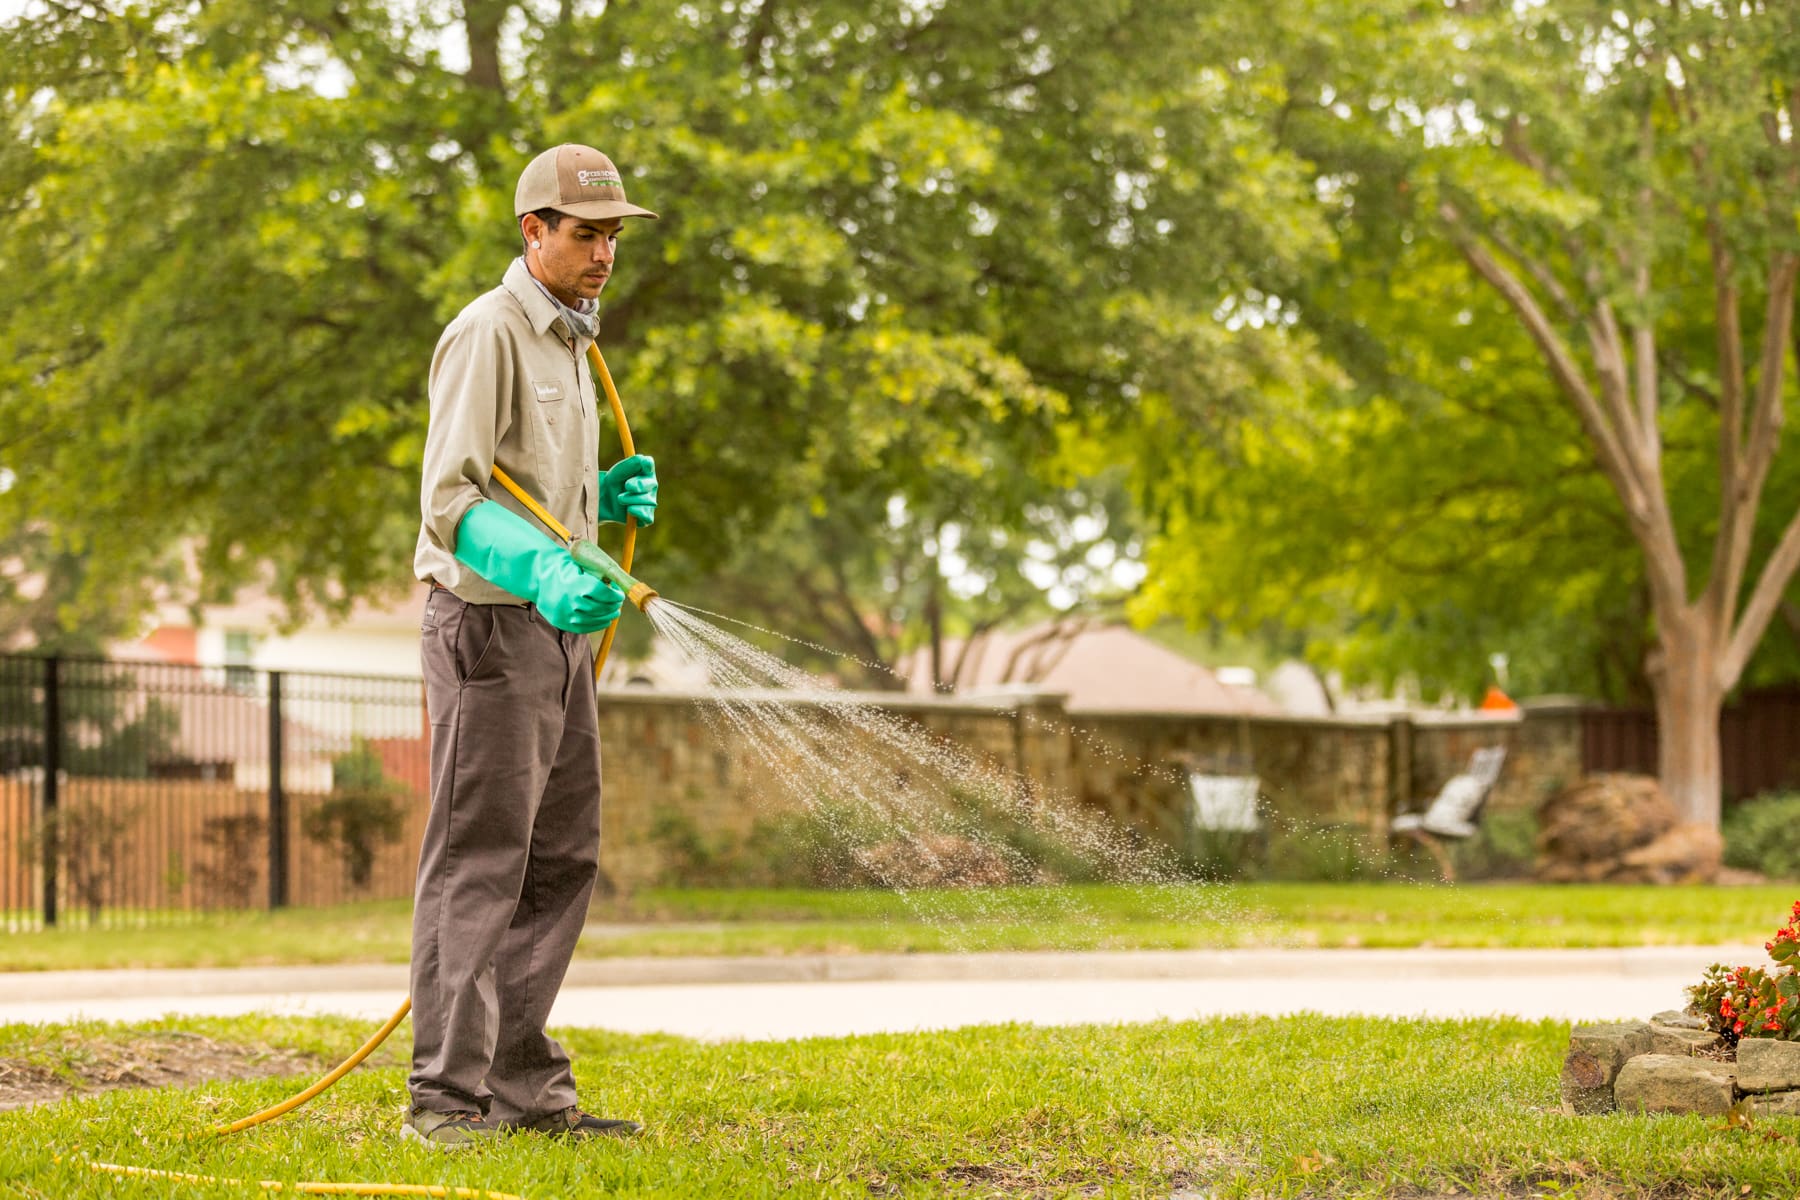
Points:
(578, 180)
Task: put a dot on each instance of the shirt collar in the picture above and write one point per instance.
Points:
(540, 306)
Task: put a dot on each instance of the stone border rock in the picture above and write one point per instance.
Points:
(1673, 1063)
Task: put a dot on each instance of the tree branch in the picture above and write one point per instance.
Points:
(1641, 448)
(1539, 271)
(1643, 325)
(1672, 368)
(1740, 493)
(759, 34)
(1563, 367)
(1777, 573)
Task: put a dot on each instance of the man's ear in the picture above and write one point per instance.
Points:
(531, 227)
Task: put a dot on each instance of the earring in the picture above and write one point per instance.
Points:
(534, 245)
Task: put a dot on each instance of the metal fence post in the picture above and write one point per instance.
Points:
(52, 768)
(278, 880)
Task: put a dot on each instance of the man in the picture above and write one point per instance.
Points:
(512, 843)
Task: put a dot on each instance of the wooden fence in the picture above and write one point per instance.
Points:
(1759, 743)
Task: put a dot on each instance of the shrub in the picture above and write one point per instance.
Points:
(1748, 1001)
(362, 814)
(85, 840)
(1224, 855)
(1033, 846)
(842, 845)
(1504, 847)
(1301, 852)
(1763, 835)
(237, 850)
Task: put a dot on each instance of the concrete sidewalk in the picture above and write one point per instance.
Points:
(812, 995)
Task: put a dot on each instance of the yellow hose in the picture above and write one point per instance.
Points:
(625, 443)
(313, 1189)
(562, 531)
(337, 1073)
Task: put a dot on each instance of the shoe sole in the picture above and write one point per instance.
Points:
(573, 1135)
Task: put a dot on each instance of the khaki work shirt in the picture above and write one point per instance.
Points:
(507, 386)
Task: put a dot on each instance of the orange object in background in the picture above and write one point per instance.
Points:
(1497, 701)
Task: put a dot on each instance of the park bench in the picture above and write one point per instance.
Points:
(1455, 812)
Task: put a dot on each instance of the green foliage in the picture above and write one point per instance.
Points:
(364, 812)
(1504, 846)
(965, 272)
(1763, 835)
(916, 257)
(1440, 500)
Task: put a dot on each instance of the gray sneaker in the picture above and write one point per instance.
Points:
(446, 1130)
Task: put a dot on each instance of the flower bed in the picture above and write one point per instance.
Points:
(1736, 1045)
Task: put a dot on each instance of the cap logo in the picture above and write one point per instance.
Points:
(599, 178)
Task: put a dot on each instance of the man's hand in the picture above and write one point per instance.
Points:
(573, 600)
(628, 488)
(509, 552)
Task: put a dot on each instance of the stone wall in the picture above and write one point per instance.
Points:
(663, 759)
(1673, 1063)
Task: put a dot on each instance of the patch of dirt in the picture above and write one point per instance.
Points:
(78, 1065)
(1188, 1163)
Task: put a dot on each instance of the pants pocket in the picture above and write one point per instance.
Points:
(475, 635)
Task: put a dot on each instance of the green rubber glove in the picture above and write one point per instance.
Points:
(510, 552)
(629, 489)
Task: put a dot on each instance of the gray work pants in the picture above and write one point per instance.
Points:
(509, 856)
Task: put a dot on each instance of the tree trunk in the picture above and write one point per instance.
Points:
(934, 620)
(1683, 671)
(482, 20)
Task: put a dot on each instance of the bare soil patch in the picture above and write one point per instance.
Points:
(71, 1063)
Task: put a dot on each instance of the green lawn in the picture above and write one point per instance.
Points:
(757, 921)
(1238, 1107)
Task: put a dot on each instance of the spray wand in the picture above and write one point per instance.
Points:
(587, 556)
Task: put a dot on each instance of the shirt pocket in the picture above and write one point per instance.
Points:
(554, 418)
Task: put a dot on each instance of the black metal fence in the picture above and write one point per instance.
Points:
(139, 793)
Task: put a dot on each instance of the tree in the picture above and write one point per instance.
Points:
(910, 256)
(1593, 168)
(1611, 142)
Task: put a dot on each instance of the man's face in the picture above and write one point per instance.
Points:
(574, 259)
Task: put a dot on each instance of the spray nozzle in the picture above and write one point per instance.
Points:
(596, 561)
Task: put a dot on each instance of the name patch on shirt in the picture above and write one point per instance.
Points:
(547, 389)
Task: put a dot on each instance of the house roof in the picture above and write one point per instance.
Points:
(1099, 668)
(210, 720)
